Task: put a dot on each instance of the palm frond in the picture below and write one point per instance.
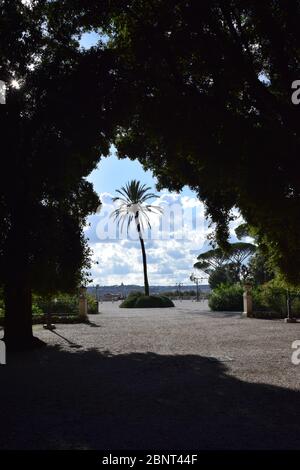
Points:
(131, 201)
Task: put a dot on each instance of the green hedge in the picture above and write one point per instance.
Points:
(61, 303)
(269, 300)
(92, 305)
(226, 298)
(138, 300)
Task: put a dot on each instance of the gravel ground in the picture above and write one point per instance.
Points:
(181, 378)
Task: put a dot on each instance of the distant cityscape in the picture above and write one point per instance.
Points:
(123, 290)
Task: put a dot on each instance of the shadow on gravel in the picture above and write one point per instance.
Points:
(219, 314)
(56, 399)
(70, 343)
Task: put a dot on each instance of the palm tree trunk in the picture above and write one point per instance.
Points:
(146, 282)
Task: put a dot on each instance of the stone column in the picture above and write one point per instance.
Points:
(247, 300)
(2, 352)
(83, 310)
(49, 325)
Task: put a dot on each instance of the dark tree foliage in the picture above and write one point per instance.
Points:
(260, 270)
(205, 101)
(220, 276)
(261, 267)
(53, 131)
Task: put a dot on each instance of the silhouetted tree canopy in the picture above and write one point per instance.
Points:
(53, 130)
(261, 269)
(205, 101)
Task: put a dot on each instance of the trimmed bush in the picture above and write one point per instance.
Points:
(1, 308)
(63, 303)
(271, 298)
(130, 300)
(92, 305)
(167, 302)
(270, 301)
(138, 300)
(226, 298)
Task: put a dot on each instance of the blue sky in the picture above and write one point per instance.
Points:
(172, 245)
(112, 173)
(89, 39)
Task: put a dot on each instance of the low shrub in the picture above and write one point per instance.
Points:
(134, 294)
(228, 298)
(36, 310)
(138, 300)
(92, 305)
(61, 303)
(269, 300)
(167, 302)
(265, 315)
(64, 319)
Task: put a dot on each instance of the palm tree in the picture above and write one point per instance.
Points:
(131, 208)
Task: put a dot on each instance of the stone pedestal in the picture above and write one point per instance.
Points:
(83, 308)
(248, 306)
(290, 320)
(49, 325)
(2, 352)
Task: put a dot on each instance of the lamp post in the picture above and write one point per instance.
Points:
(98, 298)
(97, 291)
(196, 280)
(123, 290)
(179, 285)
(289, 318)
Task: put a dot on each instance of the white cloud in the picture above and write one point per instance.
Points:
(171, 252)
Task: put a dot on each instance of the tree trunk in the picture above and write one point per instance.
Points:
(17, 279)
(17, 287)
(138, 227)
(146, 283)
(18, 322)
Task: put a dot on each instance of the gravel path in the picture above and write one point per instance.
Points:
(155, 379)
